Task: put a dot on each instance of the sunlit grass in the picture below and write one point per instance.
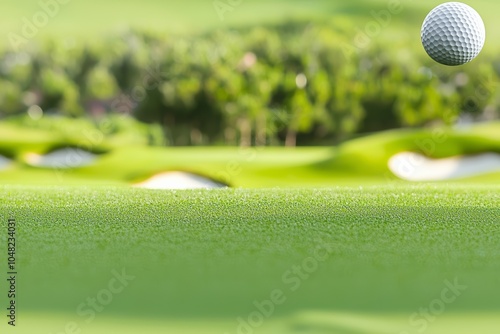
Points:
(361, 161)
(73, 20)
(211, 254)
(311, 322)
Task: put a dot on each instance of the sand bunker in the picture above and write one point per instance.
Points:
(4, 162)
(62, 158)
(416, 167)
(179, 180)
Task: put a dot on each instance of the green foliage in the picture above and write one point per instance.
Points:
(10, 97)
(291, 83)
(60, 94)
(101, 85)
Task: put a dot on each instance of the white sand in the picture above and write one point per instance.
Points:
(179, 180)
(416, 167)
(4, 162)
(63, 158)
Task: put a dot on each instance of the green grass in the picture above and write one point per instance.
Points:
(251, 167)
(15, 140)
(167, 15)
(201, 258)
(308, 322)
(91, 18)
(199, 255)
(376, 150)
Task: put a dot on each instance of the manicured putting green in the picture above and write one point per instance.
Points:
(212, 254)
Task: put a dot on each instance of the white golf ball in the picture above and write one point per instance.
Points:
(453, 34)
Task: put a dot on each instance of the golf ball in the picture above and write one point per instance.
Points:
(453, 34)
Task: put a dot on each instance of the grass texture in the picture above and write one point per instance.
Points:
(374, 255)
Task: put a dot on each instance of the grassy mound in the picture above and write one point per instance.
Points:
(360, 161)
(374, 151)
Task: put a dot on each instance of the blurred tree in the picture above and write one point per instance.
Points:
(100, 84)
(10, 98)
(291, 83)
(59, 93)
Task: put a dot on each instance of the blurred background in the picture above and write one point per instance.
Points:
(79, 79)
(247, 94)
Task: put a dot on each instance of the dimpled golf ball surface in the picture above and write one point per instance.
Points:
(453, 34)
